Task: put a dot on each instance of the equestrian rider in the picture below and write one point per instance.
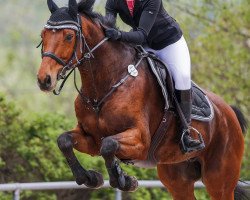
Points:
(156, 30)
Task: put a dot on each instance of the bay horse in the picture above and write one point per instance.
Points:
(118, 117)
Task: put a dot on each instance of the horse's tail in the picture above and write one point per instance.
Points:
(241, 118)
(240, 193)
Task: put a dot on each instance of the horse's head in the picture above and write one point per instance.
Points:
(68, 39)
(59, 44)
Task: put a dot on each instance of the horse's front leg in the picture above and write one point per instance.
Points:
(76, 139)
(132, 144)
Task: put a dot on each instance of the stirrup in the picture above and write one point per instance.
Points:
(186, 149)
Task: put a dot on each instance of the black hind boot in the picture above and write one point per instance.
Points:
(188, 144)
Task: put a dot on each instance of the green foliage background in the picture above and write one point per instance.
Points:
(218, 34)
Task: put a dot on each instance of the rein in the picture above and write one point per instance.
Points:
(70, 65)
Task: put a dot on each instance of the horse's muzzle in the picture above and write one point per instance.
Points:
(45, 84)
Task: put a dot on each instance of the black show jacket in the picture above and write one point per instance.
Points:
(151, 23)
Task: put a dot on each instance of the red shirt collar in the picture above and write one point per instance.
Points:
(131, 5)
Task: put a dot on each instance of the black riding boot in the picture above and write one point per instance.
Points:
(184, 98)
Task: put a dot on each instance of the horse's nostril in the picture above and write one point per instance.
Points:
(39, 81)
(47, 81)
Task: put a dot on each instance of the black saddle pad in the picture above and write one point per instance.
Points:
(202, 108)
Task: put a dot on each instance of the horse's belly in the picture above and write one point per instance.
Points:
(144, 163)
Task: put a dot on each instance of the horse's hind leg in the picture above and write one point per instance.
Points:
(66, 142)
(220, 176)
(127, 145)
(221, 181)
(179, 179)
(222, 164)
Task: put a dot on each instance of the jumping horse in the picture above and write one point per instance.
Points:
(118, 114)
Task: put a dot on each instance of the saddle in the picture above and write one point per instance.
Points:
(202, 109)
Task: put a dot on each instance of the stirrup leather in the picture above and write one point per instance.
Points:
(187, 149)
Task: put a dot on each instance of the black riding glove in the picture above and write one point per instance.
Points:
(113, 34)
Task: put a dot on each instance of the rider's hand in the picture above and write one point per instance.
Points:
(113, 34)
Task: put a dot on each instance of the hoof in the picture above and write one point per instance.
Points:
(81, 180)
(131, 184)
(95, 180)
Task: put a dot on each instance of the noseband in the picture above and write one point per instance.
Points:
(74, 60)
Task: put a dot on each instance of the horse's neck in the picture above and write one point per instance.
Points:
(107, 67)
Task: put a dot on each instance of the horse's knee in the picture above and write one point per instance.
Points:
(64, 142)
(109, 147)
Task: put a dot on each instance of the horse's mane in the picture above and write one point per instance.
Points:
(86, 7)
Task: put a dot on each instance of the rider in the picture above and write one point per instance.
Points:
(161, 34)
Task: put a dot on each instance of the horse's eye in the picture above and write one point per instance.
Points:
(69, 37)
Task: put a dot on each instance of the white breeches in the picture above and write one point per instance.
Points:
(177, 58)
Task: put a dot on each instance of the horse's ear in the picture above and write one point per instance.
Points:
(52, 6)
(73, 8)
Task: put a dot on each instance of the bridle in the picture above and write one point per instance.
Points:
(86, 54)
(74, 61)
